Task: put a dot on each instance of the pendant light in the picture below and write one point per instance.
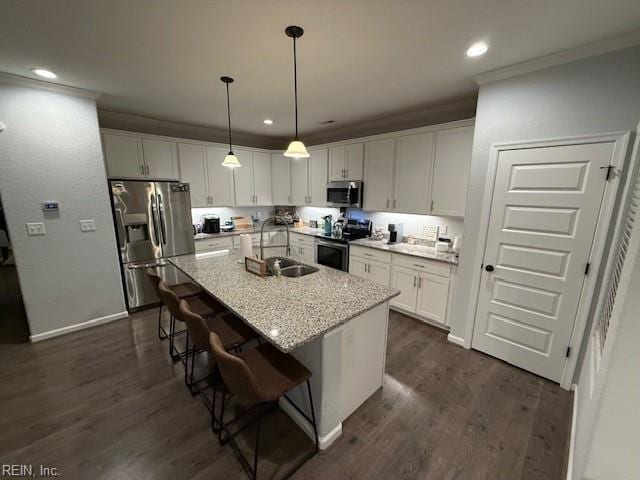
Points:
(296, 147)
(230, 160)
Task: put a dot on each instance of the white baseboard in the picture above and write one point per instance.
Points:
(78, 326)
(325, 441)
(572, 441)
(456, 340)
(426, 320)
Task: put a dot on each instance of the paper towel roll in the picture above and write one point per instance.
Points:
(246, 247)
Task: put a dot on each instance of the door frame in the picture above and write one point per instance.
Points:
(609, 199)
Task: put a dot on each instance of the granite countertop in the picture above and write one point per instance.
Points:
(421, 251)
(288, 312)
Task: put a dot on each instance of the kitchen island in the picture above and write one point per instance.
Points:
(333, 322)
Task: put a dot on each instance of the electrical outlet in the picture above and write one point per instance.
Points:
(35, 229)
(87, 225)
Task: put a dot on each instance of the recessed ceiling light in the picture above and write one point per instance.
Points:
(268, 121)
(477, 49)
(43, 72)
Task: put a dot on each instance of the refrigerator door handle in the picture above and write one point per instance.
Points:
(154, 219)
(161, 215)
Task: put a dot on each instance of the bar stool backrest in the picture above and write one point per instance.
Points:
(170, 299)
(154, 277)
(237, 376)
(197, 326)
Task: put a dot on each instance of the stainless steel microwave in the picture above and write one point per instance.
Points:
(344, 194)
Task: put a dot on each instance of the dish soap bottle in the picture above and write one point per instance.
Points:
(277, 271)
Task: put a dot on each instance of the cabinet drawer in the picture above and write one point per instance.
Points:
(370, 253)
(422, 265)
(300, 239)
(214, 244)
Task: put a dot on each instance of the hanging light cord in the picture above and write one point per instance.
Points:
(295, 83)
(229, 118)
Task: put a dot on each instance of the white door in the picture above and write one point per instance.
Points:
(299, 181)
(193, 159)
(451, 171)
(124, 156)
(337, 156)
(262, 178)
(220, 178)
(433, 294)
(414, 162)
(280, 179)
(318, 178)
(243, 178)
(378, 173)
(161, 159)
(379, 272)
(405, 280)
(543, 218)
(354, 158)
(358, 266)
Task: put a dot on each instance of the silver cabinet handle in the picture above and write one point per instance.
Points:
(418, 265)
(394, 203)
(387, 203)
(147, 169)
(367, 254)
(141, 169)
(432, 205)
(415, 282)
(419, 282)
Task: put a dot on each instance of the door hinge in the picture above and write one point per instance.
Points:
(568, 352)
(586, 269)
(609, 169)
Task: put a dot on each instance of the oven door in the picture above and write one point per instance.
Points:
(332, 254)
(344, 194)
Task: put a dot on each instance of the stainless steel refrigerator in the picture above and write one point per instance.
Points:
(153, 221)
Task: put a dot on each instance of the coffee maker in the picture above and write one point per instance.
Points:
(395, 232)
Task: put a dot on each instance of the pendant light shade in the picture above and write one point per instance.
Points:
(230, 160)
(296, 148)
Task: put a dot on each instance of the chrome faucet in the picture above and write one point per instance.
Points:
(262, 246)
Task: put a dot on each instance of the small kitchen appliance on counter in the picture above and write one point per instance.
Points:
(395, 233)
(210, 224)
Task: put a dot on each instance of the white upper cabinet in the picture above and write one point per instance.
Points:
(413, 167)
(280, 179)
(160, 158)
(299, 181)
(123, 154)
(346, 162)
(318, 177)
(378, 175)
(262, 178)
(243, 178)
(193, 160)
(451, 171)
(219, 178)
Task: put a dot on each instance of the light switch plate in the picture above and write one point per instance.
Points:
(36, 229)
(88, 225)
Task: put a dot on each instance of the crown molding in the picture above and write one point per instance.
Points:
(42, 85)
(559, 58)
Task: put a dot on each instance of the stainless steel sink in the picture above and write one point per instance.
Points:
(298, 270)
(284, 262)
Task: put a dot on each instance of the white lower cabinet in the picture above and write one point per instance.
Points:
(213, 244)
(406, 281)
(433, 292)
(302, 247)
(370, 264)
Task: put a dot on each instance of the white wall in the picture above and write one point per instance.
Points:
(225, 213)
(50, 150)
(595, 95)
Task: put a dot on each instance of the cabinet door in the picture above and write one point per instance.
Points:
(299, 181)
(318, 178)
(193, 160)
(220, 178)
(308, 254)
(161, 159)
(354, 161)
(123, 154)
(433, 293)
(379, 272)
(378, 175)
(243, 179)
(337, 157)
(280, 179)
(451, 171)
(262, 178)
(414, 164)
(406, 281)
(358, 266)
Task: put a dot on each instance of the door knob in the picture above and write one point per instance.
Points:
(489, 268)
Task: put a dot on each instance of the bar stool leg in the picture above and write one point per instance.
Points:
(313, 415)
(255, 454)
(162, 334)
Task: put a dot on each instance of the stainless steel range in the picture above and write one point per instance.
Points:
(333, 250)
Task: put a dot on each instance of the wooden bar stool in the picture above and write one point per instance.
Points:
(258, 377)
(232, 331)
(203, 305)
(182, 290)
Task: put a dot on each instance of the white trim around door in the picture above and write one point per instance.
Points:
(620, 141)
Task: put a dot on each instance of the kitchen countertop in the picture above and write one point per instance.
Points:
(421, 251)
(288, 312)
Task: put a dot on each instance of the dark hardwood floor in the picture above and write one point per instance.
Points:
(107, 403)
(13, 319)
